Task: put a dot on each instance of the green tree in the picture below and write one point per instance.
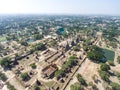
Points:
(33, 65)
(3, 77)
(118, 59)
(104, 67)
(94, 87)
(85, 48)
(10, 87)
(104, 75)
(81, 79)
(25, 76)
(6, 62)
(95, 56)
(111, 63)
(118, 75)
(40, 46)
(76, 48)
(59, 73)
(24, 43)
(37, 87)
(53, 43)
(76, 86)
(38, 36)
(115, 86)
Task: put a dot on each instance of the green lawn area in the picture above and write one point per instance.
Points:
(2, 38)
(50, 84)
(47, 84)
(110, 55)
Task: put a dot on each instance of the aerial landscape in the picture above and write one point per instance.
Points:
(59, 45)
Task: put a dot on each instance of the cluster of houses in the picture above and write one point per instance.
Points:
(59, 58)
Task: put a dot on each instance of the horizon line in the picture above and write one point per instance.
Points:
(69, 14)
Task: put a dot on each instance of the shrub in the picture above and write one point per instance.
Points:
(81, 79)
(10, 87)
(33, 65)
(104, 75)
(76, 86)
(5, 62)
(25, 76)
(104, 67)
(111, 63)
(2, 76)
(115, 86)
(118, 59)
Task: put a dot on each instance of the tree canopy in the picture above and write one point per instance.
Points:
(104, 67)
(38, 36)
(118, 59)
(115, 86)
(40, 46)
(81, 79)
(3, 77)
(95, 54)
(25, 76)
(104, 75)
(10, 87)
(6, 62)
(76, 86)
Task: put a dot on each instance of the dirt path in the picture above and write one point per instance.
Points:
(13, 81)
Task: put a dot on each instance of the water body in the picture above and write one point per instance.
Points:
(30, 40)
(110, 55)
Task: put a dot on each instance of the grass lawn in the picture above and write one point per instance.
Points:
(47, 84)
(2, 38)
(110, 55)
(50, 84)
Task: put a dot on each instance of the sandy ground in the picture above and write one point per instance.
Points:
(87, 70)
(13, 81)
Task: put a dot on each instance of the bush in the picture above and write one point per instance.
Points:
(40, 46)
(95, 54)
(3, 77)
(115, 86)
(10, 87)
(76, 48)
(104, 67)
(71, 61)
(111, 63)
(24, 43)
(76, 86)
(94, 87)
(90, 83)
(5, 62)
(104, 75)
(36, 87)
(25, 76)
(81, 79)
(33, 65)
(118, 59)
(38, 36)
(118, 75)
(53, 43)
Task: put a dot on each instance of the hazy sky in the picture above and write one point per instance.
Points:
(109, 7)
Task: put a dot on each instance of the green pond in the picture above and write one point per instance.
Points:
(110, 55)
(31, 40)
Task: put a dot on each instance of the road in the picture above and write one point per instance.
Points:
(81, 70)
